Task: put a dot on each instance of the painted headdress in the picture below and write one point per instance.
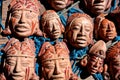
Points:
(31, 5)
(28, 4)
(16, 48)
(47, 50)
(98, 49)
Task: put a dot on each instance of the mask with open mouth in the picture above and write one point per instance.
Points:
(22, 19)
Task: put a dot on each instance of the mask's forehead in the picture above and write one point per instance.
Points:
(31, 5)
(82, 20)
(98, 49)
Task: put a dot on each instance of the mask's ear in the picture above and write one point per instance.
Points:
(7, 30)
(61, 26)
(38, 32)
(105, 68)
(100, 69)
(4, 62)
(84, 61)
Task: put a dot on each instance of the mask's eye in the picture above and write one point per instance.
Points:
(49, 64)
(12, 63)
(30, 11)
(62, 58)
(26, 57)
(25, 64)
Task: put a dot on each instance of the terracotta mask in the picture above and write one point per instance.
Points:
(79, 30)
(96, 56)
(58, 4)
(107, 30)
(55, 61)
(24, 20)
(98, 6)
(19, 63)
(51, 24)
(113, 61)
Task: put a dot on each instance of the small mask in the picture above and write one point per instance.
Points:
(96, 56)
(79, 30)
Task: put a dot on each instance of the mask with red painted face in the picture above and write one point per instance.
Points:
(24, 20)
(19, 62)
(55, 61)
